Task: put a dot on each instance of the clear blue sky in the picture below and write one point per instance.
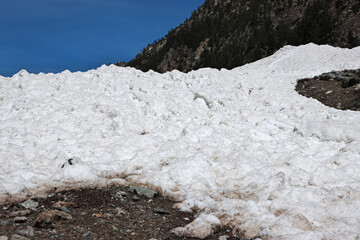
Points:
(54, 35)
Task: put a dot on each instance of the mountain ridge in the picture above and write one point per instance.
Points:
(231, 33)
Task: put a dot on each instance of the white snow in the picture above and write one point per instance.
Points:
(240, 147)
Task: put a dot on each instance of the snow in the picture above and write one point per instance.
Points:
(238, 147)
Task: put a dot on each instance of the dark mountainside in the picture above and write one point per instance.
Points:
(230, 33)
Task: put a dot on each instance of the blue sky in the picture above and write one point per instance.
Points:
(54, 35)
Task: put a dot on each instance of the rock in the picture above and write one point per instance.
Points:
(83, 214)
(20, 219)
(332, 75)
(109, 215)
(124, 194)
(141, 191)
(349, 82)
(121, 194)
(64, 209)
(102, 221)
(119, 211)
(114, 228)
(345, 82)
(51, 216)
(78, 229)
(354, 81)
(161, 211)
(21, 213)
(325, 77)
(26, 232)
(30, 204)
(223, 237)
(61, 204)
(136, 199)
(357, 88)
(6, 222)
(3, 238)
(87, 236)
(338, 78)
(18, 237)
(51, 195)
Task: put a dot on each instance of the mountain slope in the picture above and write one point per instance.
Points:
(230, 33)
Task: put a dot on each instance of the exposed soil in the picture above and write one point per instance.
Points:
(116, 212)
(340, 90)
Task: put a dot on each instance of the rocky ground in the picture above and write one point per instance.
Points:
(116, 212)
(339, 90)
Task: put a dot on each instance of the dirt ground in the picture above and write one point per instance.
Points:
(116, 212)
(340, 90)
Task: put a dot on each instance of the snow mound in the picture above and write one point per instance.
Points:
(240, 147)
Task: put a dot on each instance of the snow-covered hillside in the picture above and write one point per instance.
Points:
(240, 146)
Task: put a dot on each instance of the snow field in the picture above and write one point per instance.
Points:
(240, 147)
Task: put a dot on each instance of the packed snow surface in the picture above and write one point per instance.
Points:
(239, 147)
